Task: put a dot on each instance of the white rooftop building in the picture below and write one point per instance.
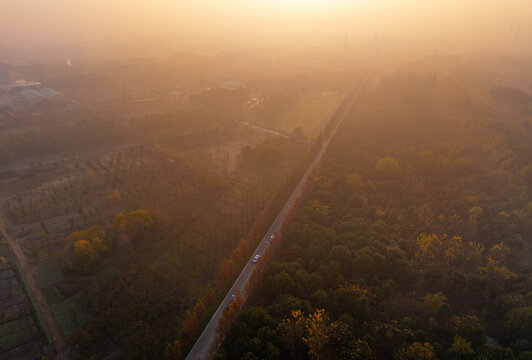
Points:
(34, 95)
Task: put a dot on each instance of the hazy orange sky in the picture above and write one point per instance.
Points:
(431, 25)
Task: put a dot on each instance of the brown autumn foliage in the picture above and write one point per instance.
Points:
(229, 317)
(228, 268)
(189, 327)
(173, 350)
(208, 297)
(200, 311)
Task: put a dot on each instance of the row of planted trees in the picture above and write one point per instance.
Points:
(190, 325)
(229, 267)
(230, 315)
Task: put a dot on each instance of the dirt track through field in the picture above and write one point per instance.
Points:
(28, 273)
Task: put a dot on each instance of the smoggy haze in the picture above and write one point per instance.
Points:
(171, 25)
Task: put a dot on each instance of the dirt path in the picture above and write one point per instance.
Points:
(271, 131)
(27, 271)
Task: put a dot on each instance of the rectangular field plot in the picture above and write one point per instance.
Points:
(20, 336)
(69, 316)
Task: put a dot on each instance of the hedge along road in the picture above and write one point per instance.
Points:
(206, 345)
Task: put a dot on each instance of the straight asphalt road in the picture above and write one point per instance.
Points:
(206, 345)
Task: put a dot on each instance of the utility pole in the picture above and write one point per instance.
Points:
(507, 42)
(516, 36)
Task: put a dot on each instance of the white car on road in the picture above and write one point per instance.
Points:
(268, 240)
(233, 297)
(256, 258)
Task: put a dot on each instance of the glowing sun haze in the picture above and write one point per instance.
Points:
(304, 5)
(426, 25)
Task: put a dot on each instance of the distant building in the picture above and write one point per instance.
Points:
(49, 93)
(230, 84)
(6, 78)
(34, 96)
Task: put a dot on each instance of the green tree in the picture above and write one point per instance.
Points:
(85, 259)
(472, 329)
(387, 164)
(518, 323)
(135, 225)
(317, 333)
(293, 330)
(358, 350)
(525, 355)
(460, 349)
(499, 353)
(282, 283)
(342, 255)
(417, 351)
(434, 301)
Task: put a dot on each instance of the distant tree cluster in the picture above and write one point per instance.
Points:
(511, 95)
(94, 133)
(88, 246)
(38, 142)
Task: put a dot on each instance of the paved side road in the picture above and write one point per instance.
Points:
(26, 270)
(270, 131)
(205, 346)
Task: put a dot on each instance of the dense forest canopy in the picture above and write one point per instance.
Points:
(413, 239)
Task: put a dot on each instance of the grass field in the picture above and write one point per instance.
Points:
(309, 112)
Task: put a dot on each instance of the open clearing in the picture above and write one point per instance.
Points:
(309, 112)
